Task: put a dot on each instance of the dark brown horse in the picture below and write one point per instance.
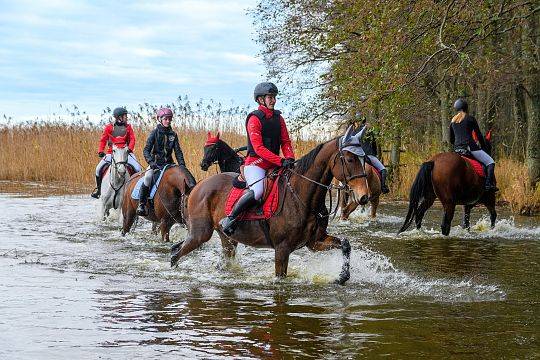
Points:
(301, 221)
(364, 190)
(169, 200)
(218, 151)
(451, 179)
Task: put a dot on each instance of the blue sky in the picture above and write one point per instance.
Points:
(105, 53)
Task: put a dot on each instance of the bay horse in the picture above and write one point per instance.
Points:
(114, 180)
(364, 190)
(451, 179)
(169, 200)
(217, 150)
(302, 218)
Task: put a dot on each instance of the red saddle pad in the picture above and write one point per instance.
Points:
(476, 165)
(104, 170)
(269, 207)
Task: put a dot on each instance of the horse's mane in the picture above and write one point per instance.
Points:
(307, 160)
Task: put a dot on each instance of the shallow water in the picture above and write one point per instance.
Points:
(72, 287)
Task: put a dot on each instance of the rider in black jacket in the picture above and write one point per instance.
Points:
(160, 145)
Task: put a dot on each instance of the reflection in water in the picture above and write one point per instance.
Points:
(77, 289)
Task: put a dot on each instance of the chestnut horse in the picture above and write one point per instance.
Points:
(302, 218)
(364, 190)
(217, 150)
(452, 179)
(169, 200)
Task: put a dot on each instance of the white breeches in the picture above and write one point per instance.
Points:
(375, 162)
(132, 160)
(148, 175)
(483, 157)
(253, 174)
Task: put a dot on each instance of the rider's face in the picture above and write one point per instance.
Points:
(270, 101)
(122, 118)
(166, 121)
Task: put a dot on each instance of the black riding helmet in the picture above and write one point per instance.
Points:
(265, 88)
(461, 105)
(119, 111)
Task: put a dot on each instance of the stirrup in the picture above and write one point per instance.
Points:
(96, 194)
(385, 189)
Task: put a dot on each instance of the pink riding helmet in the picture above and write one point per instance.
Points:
(164, 112)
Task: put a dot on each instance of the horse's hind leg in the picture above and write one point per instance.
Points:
(447, 219)
(374, 206)
(466, 221)
(200, 231)
(154, 227)
(492, 214)
(165, 227)
(424, 205)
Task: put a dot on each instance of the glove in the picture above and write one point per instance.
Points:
(129, 151)
(287, 163)
(153, 165)
(101, 154)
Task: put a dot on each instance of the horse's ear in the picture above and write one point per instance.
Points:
(345, 139)
(218, 135)
(488, 135)
(209, 135)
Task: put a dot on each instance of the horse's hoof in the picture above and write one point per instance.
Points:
(176, 246)
(343, 278)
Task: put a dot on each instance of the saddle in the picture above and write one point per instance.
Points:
(268, 204)
(156, 179)
(105, 168)
(477, 166)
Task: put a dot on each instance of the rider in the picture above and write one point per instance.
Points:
(157, 152)
(369, 145)
(266, 133)
(461, 136)
(120, 134)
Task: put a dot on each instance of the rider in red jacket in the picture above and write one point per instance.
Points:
(120, 134)
(267, 134)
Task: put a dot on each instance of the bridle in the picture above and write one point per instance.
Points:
(116, 164)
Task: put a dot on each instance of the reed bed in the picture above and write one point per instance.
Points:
(67, 153)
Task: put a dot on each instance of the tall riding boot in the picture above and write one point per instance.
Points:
(490, 179)
(384, 188)
(97, 192)
(143, 197)
(246, 201)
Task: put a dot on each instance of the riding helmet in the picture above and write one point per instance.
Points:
(461, 105)
(119, 111)
(265, 88)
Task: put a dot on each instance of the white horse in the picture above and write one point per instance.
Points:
(114, 181)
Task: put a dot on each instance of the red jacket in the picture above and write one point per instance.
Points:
(121, 139)
(265, 158)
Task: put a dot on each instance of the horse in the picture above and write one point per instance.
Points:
(302, 216)
(114, 180)
(364, 190)
(451, 179)
(169, 201)
(217, 150)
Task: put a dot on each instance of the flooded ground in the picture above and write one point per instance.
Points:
(72, 287)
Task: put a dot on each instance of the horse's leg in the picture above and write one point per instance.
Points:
(449, 209)
(154, 227)
(492, 214)
(281, 259)
(343, 204)
(228, 246)
(374, 206)
(129, 219)
(424, 205)
(200, 231)
(347, 210)
(165, 227)
(466, 221)
(331, 242)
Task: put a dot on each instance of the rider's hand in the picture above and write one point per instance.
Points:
(287, 163)
(101, 154)
(129, 151)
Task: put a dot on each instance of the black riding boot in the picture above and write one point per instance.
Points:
(246, 201)
(97, 192)
(384, 188)
(490, 179)
(143, 197)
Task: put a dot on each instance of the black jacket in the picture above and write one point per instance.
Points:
(160, 145)
(461, 134)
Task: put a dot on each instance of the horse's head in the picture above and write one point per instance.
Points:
(120, 159)
(211, 151)
(349, 165)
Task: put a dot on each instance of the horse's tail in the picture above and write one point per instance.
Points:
(421, 187)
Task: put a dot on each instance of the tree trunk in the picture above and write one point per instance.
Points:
(444, 105)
